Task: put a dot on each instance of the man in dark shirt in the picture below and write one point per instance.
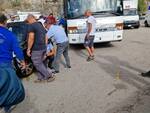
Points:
(37, 49)
(11, 88)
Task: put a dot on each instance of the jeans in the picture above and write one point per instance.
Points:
(43, 72)
(62, 49)
(11, 89)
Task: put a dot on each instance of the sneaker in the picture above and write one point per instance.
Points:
(55, 72)
(50, 79)
(39, 81)
(68, 66)
(89, 59)
(147, 74)
(92, 57)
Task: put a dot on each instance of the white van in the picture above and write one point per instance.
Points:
(147, 19)
(21, 16)
(130, 14)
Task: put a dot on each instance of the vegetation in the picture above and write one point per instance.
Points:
(142, 6)
(15, 3)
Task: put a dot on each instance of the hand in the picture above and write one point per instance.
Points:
(86, 36)
(29, 52)
(44, 57)
(23, 64)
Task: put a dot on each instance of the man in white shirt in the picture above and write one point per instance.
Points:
(89, 38)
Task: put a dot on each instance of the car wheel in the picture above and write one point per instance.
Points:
(22, 73)
(29, 69)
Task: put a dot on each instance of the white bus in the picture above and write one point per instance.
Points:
(109, 24)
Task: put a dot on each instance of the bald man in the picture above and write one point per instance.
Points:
(90, 34)
(37, 49)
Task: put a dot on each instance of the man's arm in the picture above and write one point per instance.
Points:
(51, 53)
(18, 52)
(30, 43)
(46, 39)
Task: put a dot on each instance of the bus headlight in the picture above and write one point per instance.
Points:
(119, 26)
(72, 30)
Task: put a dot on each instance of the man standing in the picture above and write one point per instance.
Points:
(59, 35)
(37, 49)
(11, 88)
(89, 38)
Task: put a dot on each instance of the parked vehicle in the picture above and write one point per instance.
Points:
(130, 14)
(109, 24)
(20, 30)
(147, 19)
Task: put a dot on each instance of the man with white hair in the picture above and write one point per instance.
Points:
(90, 34)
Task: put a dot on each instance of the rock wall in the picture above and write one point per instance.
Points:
(44, 6)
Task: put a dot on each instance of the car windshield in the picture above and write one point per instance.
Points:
(130, 12)
(76, 8)
(20, 30)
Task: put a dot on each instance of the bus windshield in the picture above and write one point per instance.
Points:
(130, 12)
(76, 8)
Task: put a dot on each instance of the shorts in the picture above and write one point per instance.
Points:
(89, 42)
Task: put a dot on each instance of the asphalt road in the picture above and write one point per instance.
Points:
(109, 84)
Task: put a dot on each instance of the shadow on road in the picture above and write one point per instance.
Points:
(96, 45)
(113, 66)
(136, 103)
(126, 71)
(80, 50)
(139, 42)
